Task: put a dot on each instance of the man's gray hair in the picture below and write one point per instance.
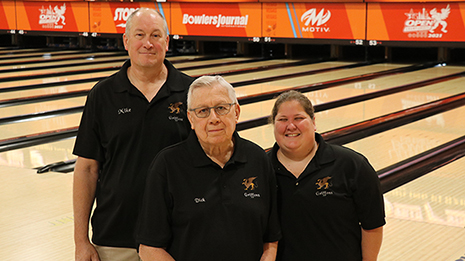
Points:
(129, 20)
(211, 81)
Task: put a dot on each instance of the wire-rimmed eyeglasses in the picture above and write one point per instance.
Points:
(221, 109)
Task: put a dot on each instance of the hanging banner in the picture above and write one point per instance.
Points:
(216, 19)
(314, 20)
(110, 17)
(416, 22)
(7, 15)
(53, 16)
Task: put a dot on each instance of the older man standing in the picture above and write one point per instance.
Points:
(212, 196)
(128, 118)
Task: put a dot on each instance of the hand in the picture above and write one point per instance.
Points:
(86, 252)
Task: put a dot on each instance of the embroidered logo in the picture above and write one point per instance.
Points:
(248, 183)
(323, 183)
(175, 107)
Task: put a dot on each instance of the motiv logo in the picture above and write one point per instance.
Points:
(53, 18)
(313, 20)
(121, 16)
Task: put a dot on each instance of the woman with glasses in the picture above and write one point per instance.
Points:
(330, 203)
(213, 196)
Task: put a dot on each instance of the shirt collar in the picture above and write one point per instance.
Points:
(323, 155)
(201, 159)
(170, 82)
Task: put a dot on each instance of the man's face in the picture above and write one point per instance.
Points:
(214, 130)
(146, 41)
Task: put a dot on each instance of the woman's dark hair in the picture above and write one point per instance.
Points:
(292, 96)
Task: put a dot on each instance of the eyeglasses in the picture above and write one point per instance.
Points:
(221, 109)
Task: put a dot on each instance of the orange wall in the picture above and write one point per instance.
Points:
(7, 15)
(255, 19)
(416, 22)
(314, 20)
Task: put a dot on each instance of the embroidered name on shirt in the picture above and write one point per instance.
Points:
(251, 195)
(124, 110)
(199, 200)
(176, 119)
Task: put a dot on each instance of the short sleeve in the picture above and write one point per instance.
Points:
(368, 197)
(88, 144)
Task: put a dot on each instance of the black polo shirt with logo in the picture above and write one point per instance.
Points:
(200, 211)
(123, 131)
(323, 210)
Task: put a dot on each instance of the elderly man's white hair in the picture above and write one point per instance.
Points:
(129, 20)
(210, 81)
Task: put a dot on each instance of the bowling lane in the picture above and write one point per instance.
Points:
(37, 215)
(42, 107)
(21, 129)
(39, 155)
(45, 72)
(36, 128)
(35, 52)
(48, 57)
(226, 68)
(357, 112)
(260, 109)
(426, 217)
(54, 79)
(394, 145)
(326, 120)
(8, 111)
(310, 79)
(77, 62)
(117, 65)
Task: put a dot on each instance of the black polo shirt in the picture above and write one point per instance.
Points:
(123, 131)
(321, 211)
(200, 211)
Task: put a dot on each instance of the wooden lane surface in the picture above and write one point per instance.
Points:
(64, 78)
(310, 79)
(39, 106)
(33, 52)
(354, 113)
(73, 55)
(248, 111)
(49, 124)
(426, 217)
(260, 109)
(227, 68)
(36, 221)
(84, 60)
(326, 120)
(88, 85)
(49, 58)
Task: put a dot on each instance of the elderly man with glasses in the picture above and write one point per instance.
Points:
(212, 196)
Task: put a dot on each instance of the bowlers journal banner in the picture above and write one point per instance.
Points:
(53, 16)
(110, 17)
(416, 22)
(314, 20)
(216, 19)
